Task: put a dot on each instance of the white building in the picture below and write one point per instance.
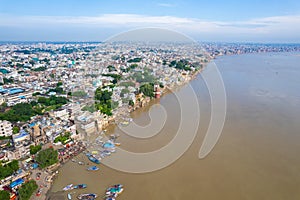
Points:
(21, 137)
(5, 128)
(61, 113)
(2, 99)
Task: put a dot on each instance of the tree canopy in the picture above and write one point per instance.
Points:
(47, 157)
(20, 112)
(8, 169)
(104, 102)
(4, 195)
(134, 60)
(147, 89)
(16, 129)
(62, 138)
(34, 149)
(27, 189)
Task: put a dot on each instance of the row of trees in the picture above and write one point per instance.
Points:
(134, 60)
(19, 112)
(24, 111)
(39, 69)
(181, 64)
(53, 100)
(116, 77)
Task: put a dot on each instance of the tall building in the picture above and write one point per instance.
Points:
(5, 128)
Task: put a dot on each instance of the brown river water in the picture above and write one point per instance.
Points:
(256, 156)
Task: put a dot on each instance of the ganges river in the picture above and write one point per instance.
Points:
(256, 156)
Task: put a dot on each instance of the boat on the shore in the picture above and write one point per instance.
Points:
(125, 123)
(87, 196)
(110, 198)
(114, 136)
(114, 191)
(69, 196)
(68, 187)
(80, 186)
(93, 168)
(92, 158)
(109, 145)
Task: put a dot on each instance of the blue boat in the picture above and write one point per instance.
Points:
(93, 168)
(92, 158)
(80, 186)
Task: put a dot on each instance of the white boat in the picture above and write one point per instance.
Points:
(68, 187)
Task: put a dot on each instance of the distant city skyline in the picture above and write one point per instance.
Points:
(220, 21)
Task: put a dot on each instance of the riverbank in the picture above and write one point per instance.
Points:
(259, 140)
(56, 194)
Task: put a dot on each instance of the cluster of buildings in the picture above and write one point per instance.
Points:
(219, 49)
(31, 71)
(74, 71)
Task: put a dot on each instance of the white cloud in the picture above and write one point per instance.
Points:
(169, 5)
(280, 26)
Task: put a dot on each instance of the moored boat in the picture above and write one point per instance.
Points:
(87, 196)
(114, 191)
(69, 196)
(92, 158)
(68, 187)
(93, 168)
(80, 186)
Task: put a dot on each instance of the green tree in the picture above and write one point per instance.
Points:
(8, 169)
(134, 60)
(147, 90)
(4, 195)
(39, 69)
(16, 129)
(111, 68)
(59, 84)
(131, 103)
(104, 102)
(27, 189)
(35, 149)
(14, 165)
(47, 157)
(63, 137)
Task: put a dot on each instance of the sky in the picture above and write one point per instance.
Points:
(266, 21)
